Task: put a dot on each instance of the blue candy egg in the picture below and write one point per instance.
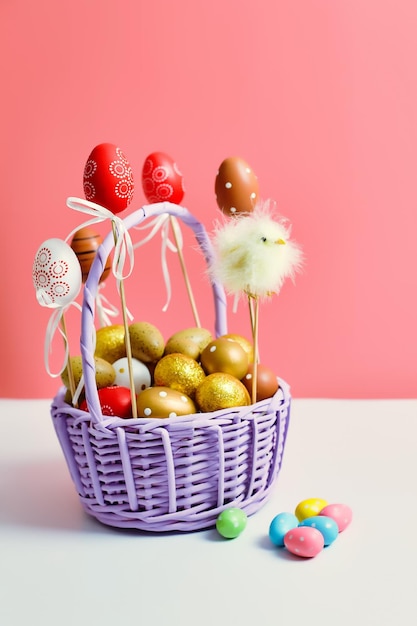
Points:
(326, 525)
(280, 525)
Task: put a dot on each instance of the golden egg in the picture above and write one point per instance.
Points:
(179, 372)
(110, 343)
(164, 402)
(244, 342)
(221, 391)
(182, 345)
(199, 336)
(146, 341)
(225, 355)
(105, 372)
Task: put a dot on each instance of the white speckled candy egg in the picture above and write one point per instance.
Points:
(164, 402)
(326, 525)
(56, 274)
(141, 374)
(340, 513)
(304, 541)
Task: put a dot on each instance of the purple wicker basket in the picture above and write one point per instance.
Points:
(174, 474)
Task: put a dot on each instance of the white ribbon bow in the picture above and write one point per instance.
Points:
(162, 223)
(123, 242)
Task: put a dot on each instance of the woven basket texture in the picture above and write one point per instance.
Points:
(174, 474)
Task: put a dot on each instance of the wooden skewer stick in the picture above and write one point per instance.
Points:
(70, 371)
(127, 338)
(255, 327)
(184, 272)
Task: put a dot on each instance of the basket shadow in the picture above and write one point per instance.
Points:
(40, 494)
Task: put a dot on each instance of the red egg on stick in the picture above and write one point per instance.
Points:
(108, 181)
(108, 178)
(162, 181)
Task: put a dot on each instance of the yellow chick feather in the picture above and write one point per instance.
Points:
(253, 253)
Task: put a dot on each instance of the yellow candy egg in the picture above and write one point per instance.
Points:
(179, 372)
(309, 508)
(225, 355)
(146, 341)
(110, 343)
(221, 391)
(105, 372)
(164, 402)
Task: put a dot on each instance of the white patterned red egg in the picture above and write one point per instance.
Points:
(108, 178)
(162, 402)
(162, 180)
(56, 274)
(114, 401)
(304, 541)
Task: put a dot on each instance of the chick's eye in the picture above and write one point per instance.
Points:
(263, 239)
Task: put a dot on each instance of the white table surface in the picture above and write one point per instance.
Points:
(59, 567)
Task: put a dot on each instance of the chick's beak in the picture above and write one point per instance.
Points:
(280, 241)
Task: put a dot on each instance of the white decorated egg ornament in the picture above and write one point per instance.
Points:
(56, 274)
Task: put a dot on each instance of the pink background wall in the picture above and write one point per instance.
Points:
(319, 96)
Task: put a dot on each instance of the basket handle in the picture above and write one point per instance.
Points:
(87, 340)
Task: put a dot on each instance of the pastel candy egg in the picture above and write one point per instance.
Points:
(304, 541)
(340, 513)
(309, 507)
(280, 525)
(231, 522)
(326, 525)
(56, 274)
(141, 374)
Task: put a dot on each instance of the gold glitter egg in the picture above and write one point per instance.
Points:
(221, 391)
(146, 341)
(105, 372)
(179, 372)
(164, 402)
(110, 343)
(243, 341)
(225, 355)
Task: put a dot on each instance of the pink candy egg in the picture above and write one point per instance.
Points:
(162, 181)
(56, 274)
(304, 541)
(340, 513)
(108, 178)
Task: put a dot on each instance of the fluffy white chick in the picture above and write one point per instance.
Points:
(253, 254)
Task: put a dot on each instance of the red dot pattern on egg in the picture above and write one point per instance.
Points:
(162, 181)
(108, 178)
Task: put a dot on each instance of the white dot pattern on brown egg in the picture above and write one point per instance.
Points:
(228, 185)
